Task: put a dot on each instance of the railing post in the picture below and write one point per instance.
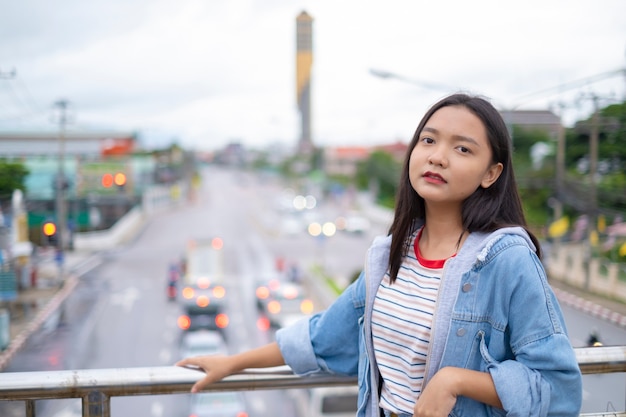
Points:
(96, 404)
(30, 408)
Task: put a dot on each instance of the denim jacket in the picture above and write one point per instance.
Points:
(495, 313)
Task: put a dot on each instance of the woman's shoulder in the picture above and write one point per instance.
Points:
(512, 246)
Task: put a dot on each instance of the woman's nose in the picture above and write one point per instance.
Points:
(437, 158)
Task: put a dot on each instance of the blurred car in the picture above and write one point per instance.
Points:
(208, 321)
(173, 276)
(267, 285)
(203, 294)
(353, 222)
(284, 304)
(202, 342)
(218, 404)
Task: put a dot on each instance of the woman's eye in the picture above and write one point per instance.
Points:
(428, 140)
(463, 149)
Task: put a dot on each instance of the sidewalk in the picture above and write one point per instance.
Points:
(35, 305)
(595, 305)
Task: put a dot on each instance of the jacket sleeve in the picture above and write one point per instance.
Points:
(544, 378)
(327, 341)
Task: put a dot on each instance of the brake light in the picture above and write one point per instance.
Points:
(263, 323)
(262, 293)
(274, 284)
(221, 320)
(184, 322)
(273, 307)
(242, 414)
(203, 282)
(217, 243)
(219, 291)
(171, 290)
(188, 293)
(202, 301)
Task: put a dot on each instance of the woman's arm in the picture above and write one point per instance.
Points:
(439, 396)
(218, 367)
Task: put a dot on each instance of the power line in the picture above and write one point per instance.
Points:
(17, 90)
(568, 86)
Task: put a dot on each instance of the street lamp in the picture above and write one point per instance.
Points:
(424, 84)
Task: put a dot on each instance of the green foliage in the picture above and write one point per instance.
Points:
(12, 177)
(340, 179)
(381, 171)
(611, 136)
(613, 254)
(535, 203)
(524, 139)
(261, 162)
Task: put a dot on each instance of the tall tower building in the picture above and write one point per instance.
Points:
(304, 60)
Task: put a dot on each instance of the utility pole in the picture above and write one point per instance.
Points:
(560, 162)
(592, 208)
(593, 159)
(61, 185)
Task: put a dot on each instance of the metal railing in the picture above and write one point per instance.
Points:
(96, 387)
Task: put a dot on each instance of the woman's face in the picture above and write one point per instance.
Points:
(452, 157)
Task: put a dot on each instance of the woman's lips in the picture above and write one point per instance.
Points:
(433, 177)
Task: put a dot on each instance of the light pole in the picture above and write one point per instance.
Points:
(60, 185)
(424, 84)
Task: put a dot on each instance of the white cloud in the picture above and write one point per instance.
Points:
(211, 72)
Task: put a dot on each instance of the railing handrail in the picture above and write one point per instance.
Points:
(107, 383)
(148, 381)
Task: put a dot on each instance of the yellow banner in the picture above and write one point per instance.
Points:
(559, 227)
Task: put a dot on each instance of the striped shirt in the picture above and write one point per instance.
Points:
(401, 328)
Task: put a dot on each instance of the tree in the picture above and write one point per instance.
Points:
(12, 176)
(612, 138)
(380, 171)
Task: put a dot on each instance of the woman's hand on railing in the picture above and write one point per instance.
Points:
(216, 367)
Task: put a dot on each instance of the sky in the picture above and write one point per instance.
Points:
(205, 73)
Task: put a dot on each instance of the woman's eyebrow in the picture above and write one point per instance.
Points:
(460, 138)
(468, 139)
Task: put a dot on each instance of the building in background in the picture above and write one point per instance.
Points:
(90, 159)
(304, 61)
(538, 120)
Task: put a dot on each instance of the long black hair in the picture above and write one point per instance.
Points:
(487, 209)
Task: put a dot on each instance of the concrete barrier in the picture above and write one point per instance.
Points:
(122, 231)
(572, 264)
(154, 200)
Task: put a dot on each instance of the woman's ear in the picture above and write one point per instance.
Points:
(492, 175)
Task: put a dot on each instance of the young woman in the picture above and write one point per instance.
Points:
(452, 314)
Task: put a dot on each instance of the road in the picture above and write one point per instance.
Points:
(119, 315)
(601, 392)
